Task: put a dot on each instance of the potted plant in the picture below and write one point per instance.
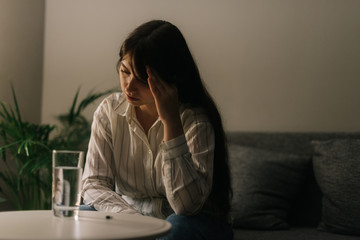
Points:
(25, 151)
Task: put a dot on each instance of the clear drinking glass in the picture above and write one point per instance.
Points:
(66, 183)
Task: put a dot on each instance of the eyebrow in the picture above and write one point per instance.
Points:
(123, 65)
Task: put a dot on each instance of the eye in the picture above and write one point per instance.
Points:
(124, 71)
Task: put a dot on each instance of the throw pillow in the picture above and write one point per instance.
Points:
(337, 171)
(265, 184)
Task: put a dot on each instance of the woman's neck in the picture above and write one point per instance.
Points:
(146, 115)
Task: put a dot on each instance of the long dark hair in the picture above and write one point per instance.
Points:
(161, 46)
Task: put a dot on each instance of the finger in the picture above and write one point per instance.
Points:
(157, 80)
(152, 82)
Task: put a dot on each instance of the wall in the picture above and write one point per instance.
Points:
(21, 54)
(280, 65)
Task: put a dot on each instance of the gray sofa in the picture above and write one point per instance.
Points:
(295, 186)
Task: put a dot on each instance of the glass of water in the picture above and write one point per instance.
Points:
(66, 183)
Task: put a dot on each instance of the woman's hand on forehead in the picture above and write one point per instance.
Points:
(166, 100)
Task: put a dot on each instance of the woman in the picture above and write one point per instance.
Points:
(158, 148)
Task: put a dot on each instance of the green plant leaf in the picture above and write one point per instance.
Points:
(3, 148)
(4, 113)
(17, 109)
(16, 103)
(90, 98)
(26, 147)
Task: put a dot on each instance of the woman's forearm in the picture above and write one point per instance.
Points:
(173, 129)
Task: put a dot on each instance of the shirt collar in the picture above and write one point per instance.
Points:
(122, 106)
(125, 109)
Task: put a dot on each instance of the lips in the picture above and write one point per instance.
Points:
(131, 98)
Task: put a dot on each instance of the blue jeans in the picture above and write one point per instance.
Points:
(198, 227)
(87, 208)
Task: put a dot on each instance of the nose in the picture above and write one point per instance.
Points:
(131, 85)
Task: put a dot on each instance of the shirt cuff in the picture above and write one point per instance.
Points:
(174, 148)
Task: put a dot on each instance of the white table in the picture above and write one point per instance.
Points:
(90, 225)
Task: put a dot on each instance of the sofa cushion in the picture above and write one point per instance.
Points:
(265, 184)
(337, 170)
(296, 233)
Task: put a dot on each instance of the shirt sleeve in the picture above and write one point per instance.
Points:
(98, 176)
(187, 167)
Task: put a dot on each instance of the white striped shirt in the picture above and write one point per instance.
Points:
(131, 172)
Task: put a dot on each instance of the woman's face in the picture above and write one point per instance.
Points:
(137, 92)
